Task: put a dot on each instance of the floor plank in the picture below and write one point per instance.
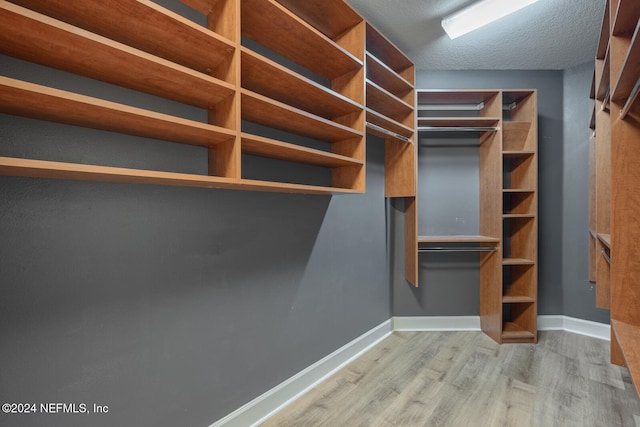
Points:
(466, 379)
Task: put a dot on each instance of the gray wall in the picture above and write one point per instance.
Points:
(449, 283)
(578, 292)
(173, 306)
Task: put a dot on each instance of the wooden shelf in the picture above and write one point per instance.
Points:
(628, 337)
(517, 216)
(58, 170)
(630, 71)
(265, 147)
(144, 25)
(331, 17)
(262, 110)
(463, 122)
(44, 103)
(626, 19)
(603, 41)
(387, 53)
(603, 86)
(452, 97)
(37, 38)
(272, 80)
(517, 261)
(516, 190)
(605, 239)
(381, 74)
(512, 332)
(458, 239)
(511, 299)
(389, 124)
(386, 103)
(518, 153)
(277, 28)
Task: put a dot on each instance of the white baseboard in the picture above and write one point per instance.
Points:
(264, 406)
(267, 404)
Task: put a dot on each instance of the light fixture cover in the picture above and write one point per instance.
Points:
(480, 14)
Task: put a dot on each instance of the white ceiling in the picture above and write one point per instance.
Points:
(549, 35)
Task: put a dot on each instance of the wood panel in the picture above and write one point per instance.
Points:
(458, 239)
(399, 168)
(330, 17)
(384, 50)
(411, 240)
(603, 205)
(383, 75)
(386, 103)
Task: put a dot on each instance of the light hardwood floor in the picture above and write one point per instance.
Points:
(466, 379)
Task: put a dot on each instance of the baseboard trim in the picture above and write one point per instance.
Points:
(272, 401)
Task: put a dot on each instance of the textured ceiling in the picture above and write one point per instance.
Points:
(550, 34)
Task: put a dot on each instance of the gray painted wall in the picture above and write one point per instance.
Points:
(449, 283)
(173, 306)
(578, 293)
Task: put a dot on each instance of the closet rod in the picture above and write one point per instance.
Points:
(459, 249)
(458, 129)
(606, 256)
(509, 107)
(388, 132)
(630, 101)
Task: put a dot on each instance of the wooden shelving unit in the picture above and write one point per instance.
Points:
(520, 216)
(617, 176)
(142, 46)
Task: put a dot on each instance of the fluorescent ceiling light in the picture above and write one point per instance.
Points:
(480, 14)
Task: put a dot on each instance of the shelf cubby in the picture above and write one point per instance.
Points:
(274, 26)
(630, 70)
(627, 336)
(34, 37)
(394, 127)
(146, 26)
(384, 51)
(386, 103)
(388, 79)
(332, 18)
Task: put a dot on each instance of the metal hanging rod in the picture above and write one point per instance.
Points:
(388, 132)
(458, 129)
(459, 249)
(630, 101)
(451, 107)
(509, 107)
(606, 256)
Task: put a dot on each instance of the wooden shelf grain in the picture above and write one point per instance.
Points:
(458, 239)
(386, 52)
(514, 332)
(628, 337)
(38, 38)
(265, 111)
(603, 86)
(517, 190)
(626, 19)
(277, 28)
(458, 121)
(437, 96)
(517, 261)
(265, 147)
(144, 25)
(58, 170)
(384, 76)
(270, 79)
(603, 40)
(517, 299)
(44, 103)
(387, 103)
(331, 17)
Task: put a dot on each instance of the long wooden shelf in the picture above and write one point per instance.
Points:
(628, 337)
(144, 25)
(517, 190)
(274, 26)
(37, 38)
(266, 147)
(603, 40)
(381, 74)
(458, 239)
(386, 52)
(459, 121)
(389, 124)
(386, 103)
(512, 331)
(630, 71)
(453, 97)
(265, 111)
(518, 153)
(330, 17)
(270, 79)
(517, 261)
(44, 103)
(626, 19)
(59, 170)
(517, 216)
(603, 86)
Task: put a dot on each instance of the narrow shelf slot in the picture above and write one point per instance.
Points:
(143, 25)
(266, 147)
(275, 27)
(516, 191)
(44, 103)
(517, 216)
(381, 74)
(58, 170)
(37, 38)
(603, 41)
(263, 76)
(518, 153)
(331, 17)
(603, 86)
(628, 337)
(262, 110)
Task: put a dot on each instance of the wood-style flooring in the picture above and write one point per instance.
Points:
(466, 379)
